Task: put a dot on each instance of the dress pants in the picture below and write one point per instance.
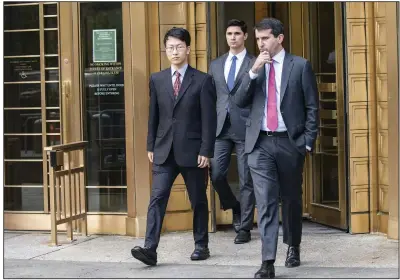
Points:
(219, 171)
(164, 176)
(276, 167)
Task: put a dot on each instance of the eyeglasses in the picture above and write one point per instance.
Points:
(178, 48)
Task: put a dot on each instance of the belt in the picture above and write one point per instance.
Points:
(274, 133)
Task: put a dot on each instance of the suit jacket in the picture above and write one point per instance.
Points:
(299, 103)
(187, 123)
(238, 115)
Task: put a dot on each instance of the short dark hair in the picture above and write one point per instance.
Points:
(178, 33)
(237, 22)
(270, 23)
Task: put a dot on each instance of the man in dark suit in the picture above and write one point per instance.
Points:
(181, 138)
(282, 126)
(227, 72)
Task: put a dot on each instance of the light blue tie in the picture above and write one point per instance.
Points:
(231, 75)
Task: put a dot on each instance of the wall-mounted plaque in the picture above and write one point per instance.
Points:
(22, 69)
(105, 45)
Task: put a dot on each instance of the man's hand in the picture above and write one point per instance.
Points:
(263, 58)
(150, 156)
(203, 161)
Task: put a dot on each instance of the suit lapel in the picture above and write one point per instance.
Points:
(221, 73)
(286, 69)
(242, 69)
(168, 83)
(187, 80)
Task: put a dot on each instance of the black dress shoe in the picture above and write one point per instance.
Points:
(293, 256)
(267, 271)
(236, 221)
(145, 255)
(200, 253)
(243, 237)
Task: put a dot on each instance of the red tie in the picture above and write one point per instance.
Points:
(272, 112)
(177, 84)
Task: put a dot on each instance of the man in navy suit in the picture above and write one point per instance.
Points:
(227, 72)
(180, 140)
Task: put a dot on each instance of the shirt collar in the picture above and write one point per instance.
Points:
(239, 56)
(181, 70)
(280, 56)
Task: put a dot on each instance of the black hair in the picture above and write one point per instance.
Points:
(237, 22)
(178, 33)
(274, 24)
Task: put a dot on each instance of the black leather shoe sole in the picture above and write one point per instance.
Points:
(200, 257)
(143, 258)
(269, 275)
(292, 264)
(242, 241)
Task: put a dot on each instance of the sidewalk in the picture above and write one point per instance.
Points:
(325, 253)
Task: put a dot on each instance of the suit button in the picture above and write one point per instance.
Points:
(173, 120)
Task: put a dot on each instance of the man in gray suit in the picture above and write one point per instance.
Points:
(227, 72)
(281, 127)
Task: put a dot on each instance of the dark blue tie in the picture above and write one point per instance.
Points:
(231, 75)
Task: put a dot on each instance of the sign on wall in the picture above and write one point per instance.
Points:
(105, 45)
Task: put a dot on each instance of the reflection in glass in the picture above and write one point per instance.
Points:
(325, 161)
(52, 75)
(53, 127)
(104, 95)
(22, 69)
(52, 114)
(27, 148)
(21, 17)
(22, 95)
(51, 61)
(23, 199)
(50, 22)
(50, 9)
(52, 95)
(32, 173)
(22, 121)
(106, 200)
(17, 43)
(23, 147)
(51, 41)
(53, 140)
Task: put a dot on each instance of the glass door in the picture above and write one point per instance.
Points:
(31, 102)
(327, 195)
(103, 102)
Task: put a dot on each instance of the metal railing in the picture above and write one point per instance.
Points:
(67, 185)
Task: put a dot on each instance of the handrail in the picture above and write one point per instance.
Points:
(63, 147)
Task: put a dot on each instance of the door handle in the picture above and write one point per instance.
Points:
(66, 89)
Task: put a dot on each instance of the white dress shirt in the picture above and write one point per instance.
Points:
(278, 65)
(181, 71)
(240, 57)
